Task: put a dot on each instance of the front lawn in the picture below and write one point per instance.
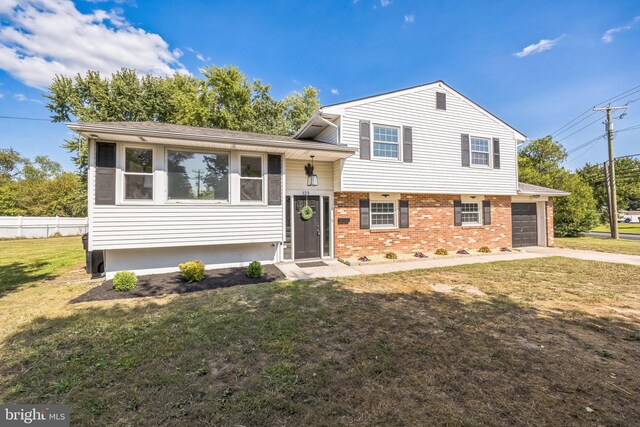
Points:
(629, 247)
(631, 228)
(543, 341)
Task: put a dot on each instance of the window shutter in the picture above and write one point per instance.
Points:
(441, 101)
(364, 213)
(407, 144)
(404, 214)
(105, 177)
(457, 212)
(496, 153)
(365, 140)
(274, 168)
(486, 212)
(466, 154)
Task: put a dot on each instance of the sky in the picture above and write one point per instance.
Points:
(537, 65)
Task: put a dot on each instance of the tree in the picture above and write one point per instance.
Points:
(539, 163)
(10, 160)
(627, 183)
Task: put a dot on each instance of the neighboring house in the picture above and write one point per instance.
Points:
(411, 170)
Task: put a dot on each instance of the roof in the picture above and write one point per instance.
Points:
(524, 188)
(424, 85)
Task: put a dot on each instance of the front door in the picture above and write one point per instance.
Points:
(306, 233)
(524, 224)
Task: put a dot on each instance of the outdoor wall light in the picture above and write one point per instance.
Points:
(312, 178)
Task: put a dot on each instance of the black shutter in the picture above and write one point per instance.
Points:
(441, 101)
(496, 153)
(404, 214)
(466, 154)
(275, 179)
(407, 144)
(365, 140)
(105, 177)
(486, 212)
(364, 213)
(457, 212)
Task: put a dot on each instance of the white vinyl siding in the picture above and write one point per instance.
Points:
(437, 158)
(297, 179)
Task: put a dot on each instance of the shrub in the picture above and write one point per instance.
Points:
(192, 271)
(462, 252)
(391, 255)
(484, 250)
(255, 270)
(363, 259)
(419, 255)
(505, 249)
(124, 281)
(441, 251)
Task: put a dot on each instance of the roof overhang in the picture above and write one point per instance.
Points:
(298, 149)
(316, 124)
(543, 193)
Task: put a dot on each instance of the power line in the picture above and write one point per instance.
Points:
(24, 118)
(582, 128)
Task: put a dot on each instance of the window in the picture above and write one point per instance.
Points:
(383, 214)
(479, 151)
(251, 178)
(197, 176)
(470, 213)
(385, 142)
(138, 174)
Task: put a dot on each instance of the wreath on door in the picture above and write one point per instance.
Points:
(306, 213)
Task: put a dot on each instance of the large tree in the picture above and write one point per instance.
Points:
(540, 163)
(222, 98)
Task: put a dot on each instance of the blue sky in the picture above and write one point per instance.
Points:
(535, 64)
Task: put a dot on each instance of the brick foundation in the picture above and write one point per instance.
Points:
(430, 227)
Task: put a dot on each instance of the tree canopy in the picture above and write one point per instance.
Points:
(627, 183)
(223, 98)
(540, 163)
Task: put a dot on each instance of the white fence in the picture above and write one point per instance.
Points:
(40, 226)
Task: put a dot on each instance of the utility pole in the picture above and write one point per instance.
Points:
(613, 205)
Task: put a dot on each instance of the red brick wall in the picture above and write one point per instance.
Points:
(430, 227)
(549, 218)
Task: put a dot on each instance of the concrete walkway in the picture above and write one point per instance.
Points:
(334, 268)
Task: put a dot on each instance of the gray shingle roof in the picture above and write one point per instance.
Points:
(524, 188)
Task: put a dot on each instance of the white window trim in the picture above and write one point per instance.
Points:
(490, 152)
(195, 201)
(123, 174)
(395, 215)
(477, 203)
(262, 178)
(400, 143)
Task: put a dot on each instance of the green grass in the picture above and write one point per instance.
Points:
(28, 261)
(630, 228)
(628, 247)
(550, 337)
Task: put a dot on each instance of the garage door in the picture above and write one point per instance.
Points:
(525, 224)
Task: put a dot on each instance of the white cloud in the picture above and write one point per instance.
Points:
(541, 46)
(385, 3)
(335, 91)
(409, 19)
(42, 38)
(20, 97)
(607, 37)
(199, 55)
(1, 95)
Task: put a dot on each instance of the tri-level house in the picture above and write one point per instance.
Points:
(411, 170)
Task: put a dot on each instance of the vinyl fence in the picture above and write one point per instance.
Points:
(40, 226)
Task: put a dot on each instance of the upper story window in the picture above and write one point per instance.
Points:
(197, 176)
(251, 178)
(386, 142)
(471, 213)
(138, 174)
(383, 215)
(479, 151)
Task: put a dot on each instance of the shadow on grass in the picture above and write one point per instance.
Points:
(17, 274)
(307, 354)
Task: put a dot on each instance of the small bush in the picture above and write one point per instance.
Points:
(419, 255)
(363, 259)
(505, 249)
(442, 251)
(391, 255)
(462, 252)
(192, 271)
(484, 250)
(255, 270)
(124, 281)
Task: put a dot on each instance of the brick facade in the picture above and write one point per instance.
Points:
(549, 218)
(431, 226)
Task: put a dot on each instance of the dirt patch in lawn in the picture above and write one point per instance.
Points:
(153, 285)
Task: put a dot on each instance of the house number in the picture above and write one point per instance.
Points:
(305, 193)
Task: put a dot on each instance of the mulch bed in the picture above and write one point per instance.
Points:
(172, 283)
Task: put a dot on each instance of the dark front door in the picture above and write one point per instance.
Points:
(306, 233)
(524, 224)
